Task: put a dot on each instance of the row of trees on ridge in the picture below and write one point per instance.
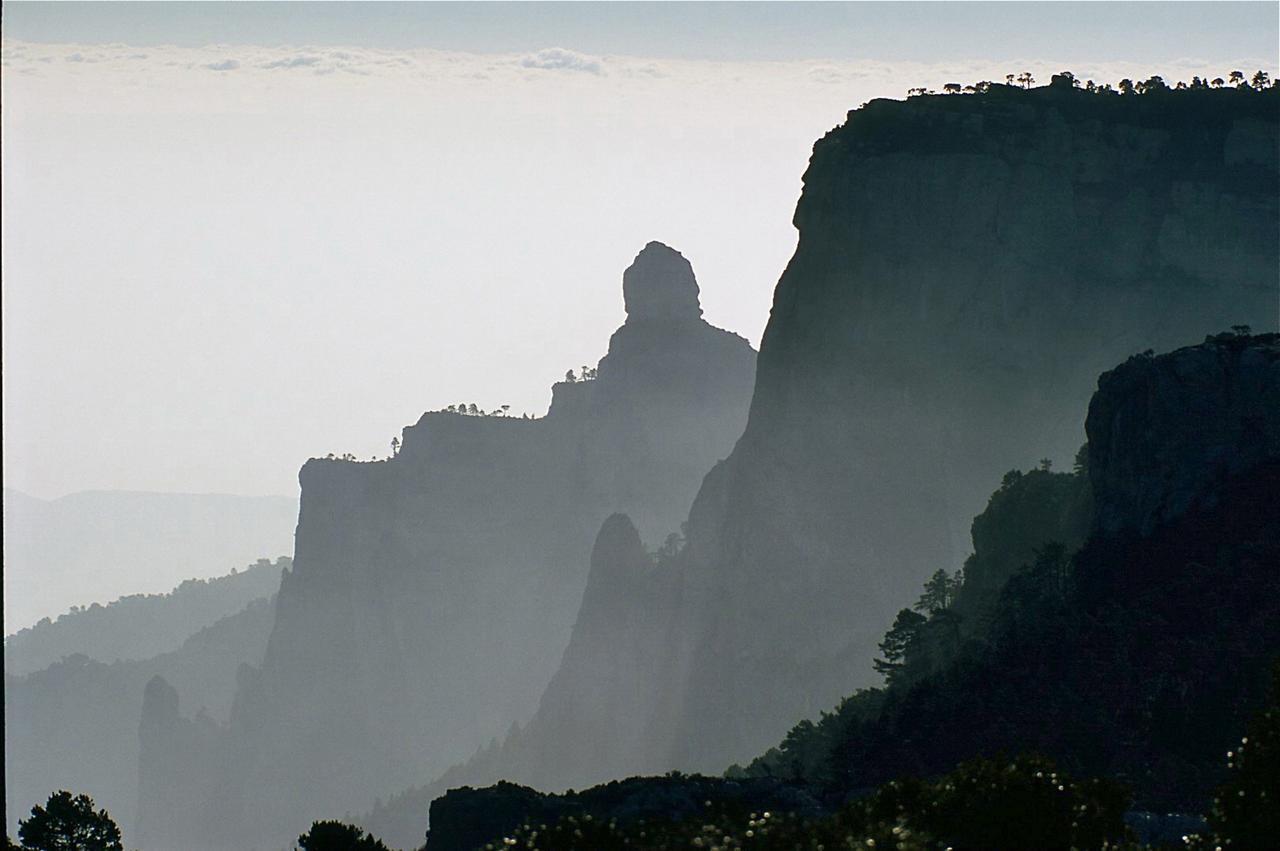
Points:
(1235, 79)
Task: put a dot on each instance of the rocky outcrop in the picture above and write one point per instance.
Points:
(1165, 433)
(600, 700)
(433, 594)
(171, 746)
(660, 285)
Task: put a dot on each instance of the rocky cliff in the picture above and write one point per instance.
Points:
(1213, 408)
(966, 266)
(432, 594)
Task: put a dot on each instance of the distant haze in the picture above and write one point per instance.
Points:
(92, 547)
(221, 260)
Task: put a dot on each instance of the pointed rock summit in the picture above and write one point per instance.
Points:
(659, 284)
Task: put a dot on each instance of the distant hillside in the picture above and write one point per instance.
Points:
(101, 545)
(74, 725)
(141, 625)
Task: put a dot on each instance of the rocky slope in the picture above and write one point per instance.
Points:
(433, 594)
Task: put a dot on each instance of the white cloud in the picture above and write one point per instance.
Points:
(559, 59)
(302, 61)
(223, 65)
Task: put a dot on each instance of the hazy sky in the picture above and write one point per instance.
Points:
(236, 236)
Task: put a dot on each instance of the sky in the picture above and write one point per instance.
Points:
(240, 235)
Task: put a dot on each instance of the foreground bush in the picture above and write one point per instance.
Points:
(985, 804)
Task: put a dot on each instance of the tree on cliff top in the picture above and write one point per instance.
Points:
(67, 823)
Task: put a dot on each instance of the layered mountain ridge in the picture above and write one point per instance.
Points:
(74, 724)
(1106, 656)
(966, 268)
(432, 594)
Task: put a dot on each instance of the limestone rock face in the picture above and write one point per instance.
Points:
(1166, 432)
(659, 284)
(966, 267)
(432, 595)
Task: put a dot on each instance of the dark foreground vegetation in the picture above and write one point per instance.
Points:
(1015, 803)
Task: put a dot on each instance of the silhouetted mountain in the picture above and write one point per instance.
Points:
(965, 268)
(141, 625)
(433, 594)
(1141, 656)
(74, 725)
(101, 545)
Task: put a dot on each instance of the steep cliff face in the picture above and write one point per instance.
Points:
(966, 266)
(433, 594)
(1213, 408)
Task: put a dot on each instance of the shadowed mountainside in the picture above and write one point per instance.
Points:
(1108, 660)
(966, 267)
